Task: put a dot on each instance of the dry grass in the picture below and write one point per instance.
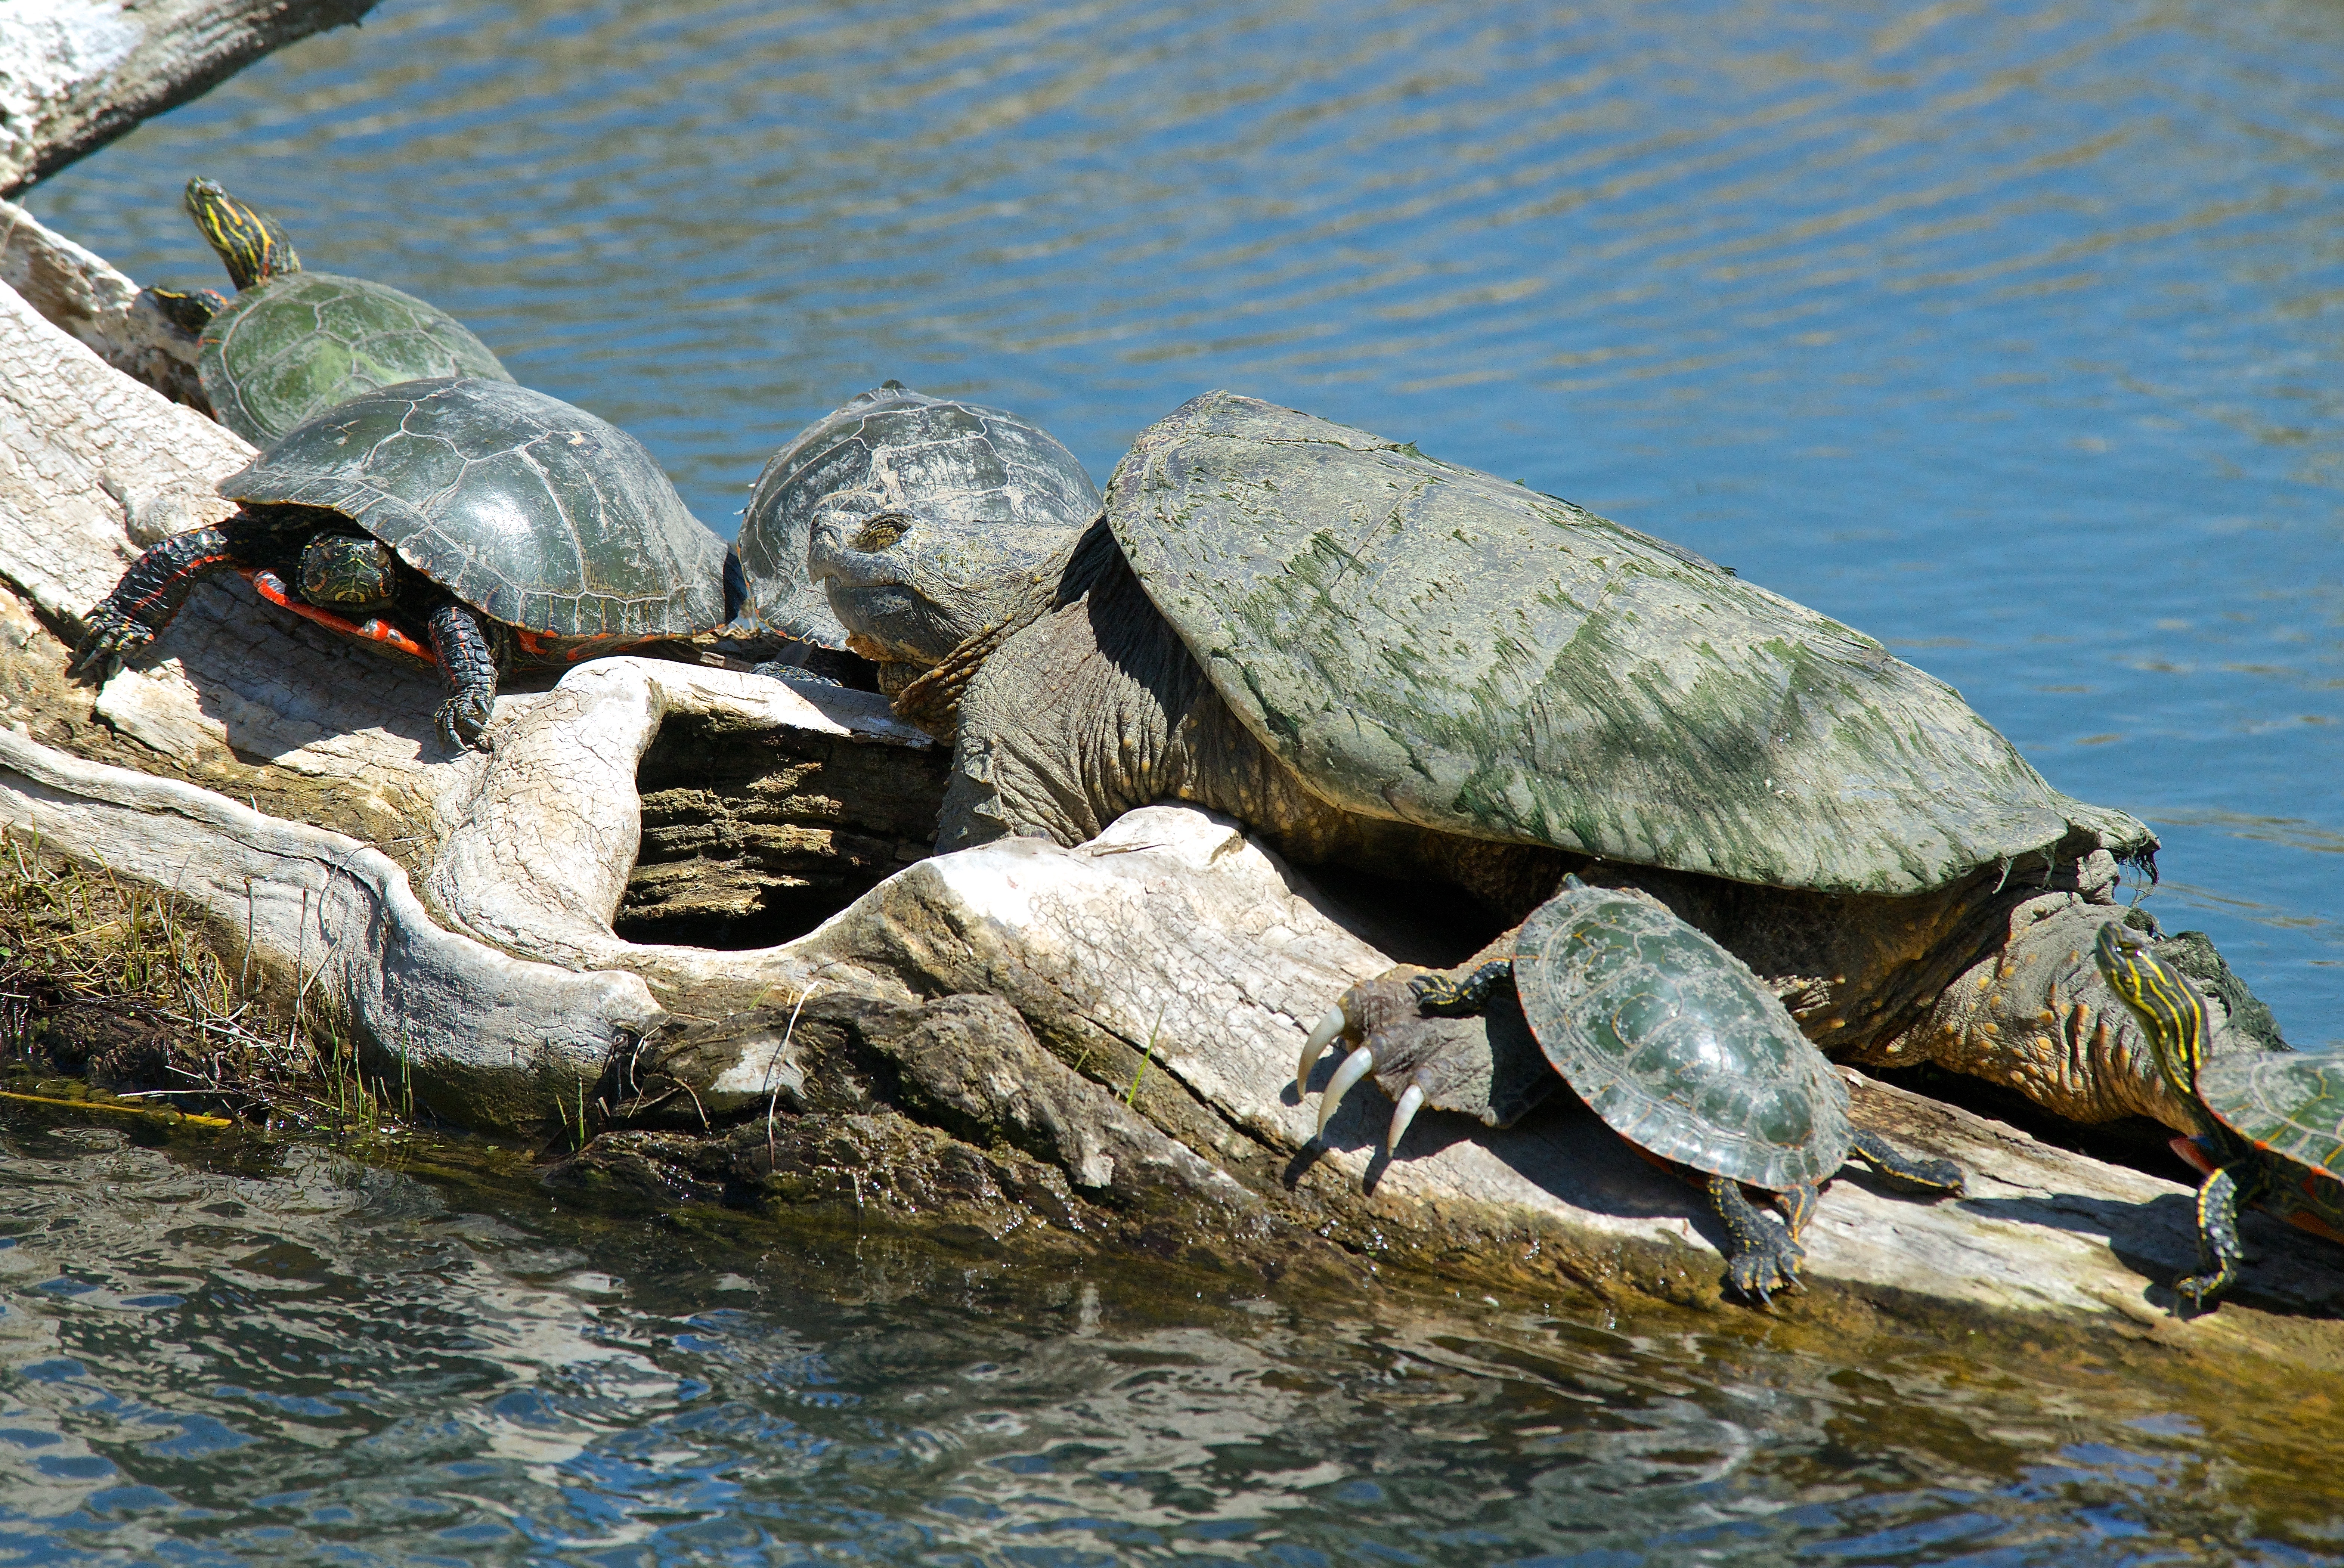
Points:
(115, 983)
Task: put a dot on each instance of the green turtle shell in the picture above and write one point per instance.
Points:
(296, 344)
(936, 457)
(533, 512)
(1675, 1044)
(2287, 1103)
(1429, 645)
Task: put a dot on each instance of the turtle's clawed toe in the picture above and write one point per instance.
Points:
(463, 722)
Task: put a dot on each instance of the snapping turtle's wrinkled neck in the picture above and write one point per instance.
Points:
(930, 698)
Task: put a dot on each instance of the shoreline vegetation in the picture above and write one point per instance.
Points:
(244, 875)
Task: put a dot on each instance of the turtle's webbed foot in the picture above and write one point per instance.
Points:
(147, 597)
(1764, 1258)
(1914, 1173)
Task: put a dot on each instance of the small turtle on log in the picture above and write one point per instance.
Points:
(1687, 1056)
(983, 490)
(294, 343)
(470, 525)
(2273, 1131)
(1381, 661)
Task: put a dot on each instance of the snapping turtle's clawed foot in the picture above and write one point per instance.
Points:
(1404, 1030)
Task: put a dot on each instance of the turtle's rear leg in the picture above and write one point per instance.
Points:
(469, 655)
(1914, 1173)
(1764, 1257)
(149, 596)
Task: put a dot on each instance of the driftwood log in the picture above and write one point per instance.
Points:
(76, 74)
(1021, 1043)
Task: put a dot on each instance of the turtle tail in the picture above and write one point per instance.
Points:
(248, 241)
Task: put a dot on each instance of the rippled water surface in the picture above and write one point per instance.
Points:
(220, 1356)
(2008, 332)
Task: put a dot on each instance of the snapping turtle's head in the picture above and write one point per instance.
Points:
(911, 588)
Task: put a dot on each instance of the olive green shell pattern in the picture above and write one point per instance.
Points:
(296, 344)
(532, 511)
(2290, 1104)
(1675, 1044)
(1429, 645)
(936, 457)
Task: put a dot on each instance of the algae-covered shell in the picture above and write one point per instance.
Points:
(296, 344)
(1429, 645)
(894, 449)
(1675, 1044)
(532, 511)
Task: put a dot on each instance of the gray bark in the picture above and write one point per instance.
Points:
(76, 74)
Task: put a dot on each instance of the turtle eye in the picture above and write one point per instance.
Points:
(879, 533)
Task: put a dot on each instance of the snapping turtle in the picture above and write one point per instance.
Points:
(471, 525)
(999, 491)
(2272, 1125)
(294, 343)
(1683, 1053)
(1379, 660)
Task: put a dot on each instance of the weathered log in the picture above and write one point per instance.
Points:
(1057, 1043)
(76, 74)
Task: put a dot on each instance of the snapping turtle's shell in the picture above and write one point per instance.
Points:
(1675, 1044)
(296, 344)
(531, 511)
(923, 456)
(1429, 645)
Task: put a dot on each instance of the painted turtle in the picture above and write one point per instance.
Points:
(294, 343)
(2273, 1122)
(472, 525)
(1387, 662)
(1686, 1055)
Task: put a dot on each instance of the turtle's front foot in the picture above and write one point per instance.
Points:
(2217, 1240)
(113, 635)
(468, 664)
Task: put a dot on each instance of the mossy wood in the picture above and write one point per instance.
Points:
(530, 510)
(1429, 645)
(296, 344)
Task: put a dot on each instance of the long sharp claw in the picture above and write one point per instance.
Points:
(1356, 1065)
(1412, 1101)
(1323, 1031)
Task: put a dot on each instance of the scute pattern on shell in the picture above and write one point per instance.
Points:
(530, 510)
(1675, 1044)
(2289, 1103)
(932, 456)
(296, 345)
(1426, 644)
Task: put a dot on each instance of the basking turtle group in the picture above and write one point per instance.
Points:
(1728, 834)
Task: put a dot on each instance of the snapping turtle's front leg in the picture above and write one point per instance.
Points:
(1406, 1032)
(148, 597)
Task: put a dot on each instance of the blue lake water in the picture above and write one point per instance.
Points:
(2008, 333)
